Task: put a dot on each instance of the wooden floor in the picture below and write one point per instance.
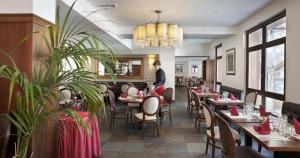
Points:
(179, 140)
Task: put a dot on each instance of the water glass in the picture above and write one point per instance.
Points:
(282, 125)
(275, 124)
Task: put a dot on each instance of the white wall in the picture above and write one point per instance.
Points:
(292, 51)
(45, 9)
(16, 6)
(187, 63)
(192, 48)
(42, 8)
(293, 54)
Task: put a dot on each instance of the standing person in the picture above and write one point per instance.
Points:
(160, 78)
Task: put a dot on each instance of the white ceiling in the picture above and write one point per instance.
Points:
(202, 20)
(221, 13)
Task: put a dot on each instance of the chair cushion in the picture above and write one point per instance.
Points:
(133, 105)
(246, 152)
(217, 133)
(147, 118)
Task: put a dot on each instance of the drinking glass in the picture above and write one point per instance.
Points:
(282, 125)
(275, 124)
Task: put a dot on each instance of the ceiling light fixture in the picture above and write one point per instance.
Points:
(157, 35)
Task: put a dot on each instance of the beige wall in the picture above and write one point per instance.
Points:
(292, 54)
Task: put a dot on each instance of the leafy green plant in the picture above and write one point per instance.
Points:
(65, 41)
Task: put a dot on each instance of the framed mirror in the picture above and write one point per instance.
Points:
(126, 67)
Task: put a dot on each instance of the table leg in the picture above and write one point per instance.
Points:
(248, 140)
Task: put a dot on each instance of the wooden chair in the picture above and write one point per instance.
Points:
(124, 88)
(103, 88)
(199, 117)
(191, 102)
(229, 150)
(165, 106)
(213, 132)
(149, 112)
(117, 111)
(4, 133)
(132, 91)
(251, 98)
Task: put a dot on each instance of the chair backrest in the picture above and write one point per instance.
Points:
(291, 110)
(150, 106)
(132, 91)
(226, 137)
(251, 98)
(236, 92)
(65, 94)
(209, 118)
(103, 88)
(124, 88)
(111, 100)
(4, 133)
(197, 101)
(168, 95)
(189, 95)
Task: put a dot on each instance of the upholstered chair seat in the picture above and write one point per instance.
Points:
(147, 118)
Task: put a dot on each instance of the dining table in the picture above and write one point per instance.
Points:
(281, 145)
(78, 142)
(221, 104)
(201, 94)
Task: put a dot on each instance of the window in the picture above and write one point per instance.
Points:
(254, 70)
(194, 68)
(219, 65)
(266, 61)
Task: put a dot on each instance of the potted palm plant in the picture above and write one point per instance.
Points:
(65, 41)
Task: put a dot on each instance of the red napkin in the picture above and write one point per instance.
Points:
(233, 110)
(124, 95)
(296, 125)
(264, 128)
(232, 97)
(263, 112)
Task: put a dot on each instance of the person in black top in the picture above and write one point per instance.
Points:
(160, 77)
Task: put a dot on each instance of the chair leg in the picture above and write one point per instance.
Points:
(126, 120)
(162, 117)
(170, 117)
(131, 115)
(207, 143)
(199, 126)
(213, 150)
(142, 130)
(196, 120)
(157, 128)
(187, 108)
(259, 148)
(111, 119)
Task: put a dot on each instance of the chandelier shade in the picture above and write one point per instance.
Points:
(159, 34)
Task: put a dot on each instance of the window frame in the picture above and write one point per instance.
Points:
(263, 47)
